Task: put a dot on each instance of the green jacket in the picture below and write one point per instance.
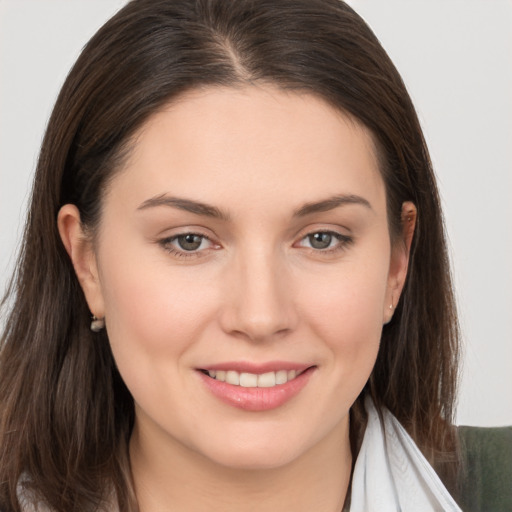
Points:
(486, 478)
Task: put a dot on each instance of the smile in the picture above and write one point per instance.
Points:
(264, 388)
(253, 380)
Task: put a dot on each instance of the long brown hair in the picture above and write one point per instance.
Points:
(65, 413)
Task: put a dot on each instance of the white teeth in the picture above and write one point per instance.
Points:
(281, 377)
(252, 380)
(233, 377)
(267, 380)
(248, 380)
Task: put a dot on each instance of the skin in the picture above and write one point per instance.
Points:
(256, 290)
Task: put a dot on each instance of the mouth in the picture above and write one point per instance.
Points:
(261, 389)
(254, 380)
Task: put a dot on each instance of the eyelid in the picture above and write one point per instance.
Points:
(335, 234)
(320, 227)
(343, 240)
(166, 243)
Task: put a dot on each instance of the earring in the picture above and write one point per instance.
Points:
(97, 324)
(391, 317)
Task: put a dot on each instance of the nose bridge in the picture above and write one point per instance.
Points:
(259, 304)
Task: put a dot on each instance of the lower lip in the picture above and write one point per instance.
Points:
(257, 399)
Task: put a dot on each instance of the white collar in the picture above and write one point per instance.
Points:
(391, 474)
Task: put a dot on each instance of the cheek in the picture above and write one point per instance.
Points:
(346, 312)
(151, 308)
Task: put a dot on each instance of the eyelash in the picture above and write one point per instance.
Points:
(166, 243)
(343, 242)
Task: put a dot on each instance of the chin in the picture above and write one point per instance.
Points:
(255, 450)
(257, 459)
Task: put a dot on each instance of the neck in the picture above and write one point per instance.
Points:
(175, 478)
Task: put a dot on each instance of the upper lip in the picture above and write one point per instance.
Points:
(257, 368)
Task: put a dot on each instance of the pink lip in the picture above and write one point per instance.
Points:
(256, 399)
(257, 368)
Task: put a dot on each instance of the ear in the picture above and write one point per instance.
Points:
(400, 260)
(80, 250)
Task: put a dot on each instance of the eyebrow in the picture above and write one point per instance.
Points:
(187, 205)
(207, 210)
(330, 204)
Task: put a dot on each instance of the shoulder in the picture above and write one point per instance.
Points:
(486, 473)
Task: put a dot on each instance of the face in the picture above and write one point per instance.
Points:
(244, 268)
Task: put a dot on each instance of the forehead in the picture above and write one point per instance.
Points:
(250, 144)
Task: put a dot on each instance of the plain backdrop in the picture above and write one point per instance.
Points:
(456, 59)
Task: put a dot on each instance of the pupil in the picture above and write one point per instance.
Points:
(190, 242)
(320, 240)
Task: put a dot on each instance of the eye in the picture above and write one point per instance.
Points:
(326, 241)
(190, 242)
(186, 244)
(320, 240)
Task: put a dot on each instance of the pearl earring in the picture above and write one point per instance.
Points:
(97, 324)
(391, 308)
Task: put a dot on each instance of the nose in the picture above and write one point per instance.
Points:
(258, 302)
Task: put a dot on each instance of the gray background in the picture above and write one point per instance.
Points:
(456, 59)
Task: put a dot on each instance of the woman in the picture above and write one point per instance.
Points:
(240, 195)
